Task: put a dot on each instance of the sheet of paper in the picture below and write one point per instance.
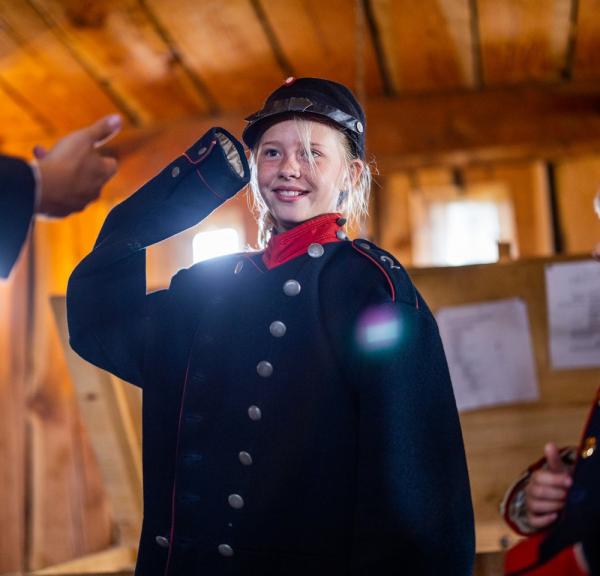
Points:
(489, 352)
(573, 295)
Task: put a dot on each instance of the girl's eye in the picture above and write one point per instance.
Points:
(271, 152)
(314, 153)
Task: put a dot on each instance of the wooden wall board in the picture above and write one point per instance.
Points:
(394, 222)
(69, 514)
(114, 560)
(577, 181)
(225, 44)
(323, 39)
(524, 41)
(427, 44)
(13, 380)
(586, 63)
(38, 67)
(500, 442)
(120, 44)
(105, 410)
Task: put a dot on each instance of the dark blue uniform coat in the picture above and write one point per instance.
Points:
(17, 189)
(275, 454)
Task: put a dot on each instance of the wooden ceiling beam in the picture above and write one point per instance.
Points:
(457, 129)
(484, 126)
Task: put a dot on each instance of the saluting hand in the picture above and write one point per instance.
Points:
(547, 489)
(73, 172)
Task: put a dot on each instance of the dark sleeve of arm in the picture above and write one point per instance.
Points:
(17, 191)
(108, 311)
(413, 512)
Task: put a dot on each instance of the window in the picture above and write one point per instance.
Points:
(454, 226)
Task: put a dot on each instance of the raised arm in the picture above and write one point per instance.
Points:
(108, 309)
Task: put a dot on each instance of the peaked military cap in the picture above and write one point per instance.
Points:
(315, 97)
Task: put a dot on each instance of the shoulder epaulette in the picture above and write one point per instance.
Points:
(398, 280)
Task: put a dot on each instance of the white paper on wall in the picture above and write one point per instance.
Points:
(573, 295)
(489, 352)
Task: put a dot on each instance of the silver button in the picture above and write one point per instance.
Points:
(202, 150)
(238, 267)
(225, 550)
(235, 501)
(254, 413)
(364, 245)
(341, 235)
(292, 288)
(315, 250)
(162, 541)
(277, 329)
(175, 171)
(245, 458)
(264, 368)
(359, 126)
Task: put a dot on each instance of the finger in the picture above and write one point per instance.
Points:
(39, 152)
(552, 479)
(555, 464)
(543, 492)
(544, 506)
(103, 130)
(109, 166)
(541, 520)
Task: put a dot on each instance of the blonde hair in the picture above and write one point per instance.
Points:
(353, 201)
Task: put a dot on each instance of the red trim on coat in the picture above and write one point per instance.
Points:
(174, 489)
(383, 271)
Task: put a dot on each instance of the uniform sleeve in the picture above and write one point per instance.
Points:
(413, 511)
(17, 190)
(108, 310)
(524, 559)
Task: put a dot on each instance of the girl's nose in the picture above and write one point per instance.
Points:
(290, 167)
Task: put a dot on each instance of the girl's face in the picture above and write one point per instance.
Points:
(292, 188)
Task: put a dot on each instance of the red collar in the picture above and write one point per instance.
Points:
(295, 242)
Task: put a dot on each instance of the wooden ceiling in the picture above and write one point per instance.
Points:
(63, 63)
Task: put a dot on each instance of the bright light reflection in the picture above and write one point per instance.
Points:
(215, 243)
(378, 329)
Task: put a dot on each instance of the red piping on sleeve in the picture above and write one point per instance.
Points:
(387, 276)
(206, 184)
(203, 156)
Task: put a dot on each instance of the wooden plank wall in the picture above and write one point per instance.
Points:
(13, 380)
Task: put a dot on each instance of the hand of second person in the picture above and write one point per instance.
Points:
(73, 172)
(547, 489)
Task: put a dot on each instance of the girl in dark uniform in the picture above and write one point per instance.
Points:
(298, 415)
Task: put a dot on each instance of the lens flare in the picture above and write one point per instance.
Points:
(379, 329)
